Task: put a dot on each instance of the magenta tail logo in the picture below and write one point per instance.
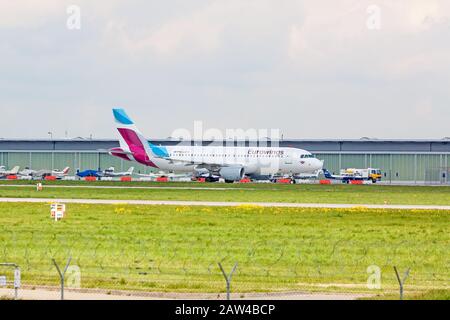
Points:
(136, 146)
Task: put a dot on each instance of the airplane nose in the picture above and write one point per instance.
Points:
(318, 164)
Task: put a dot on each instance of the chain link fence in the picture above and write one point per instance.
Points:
(157, 268)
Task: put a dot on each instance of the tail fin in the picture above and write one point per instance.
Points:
(66, 170)
(129, 134)
(130, 171)
(15, 170)
(327, 174)
(131, 139)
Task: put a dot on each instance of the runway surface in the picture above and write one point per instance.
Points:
(228, 204)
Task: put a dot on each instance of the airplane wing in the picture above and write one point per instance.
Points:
(149, 175)
(41, 173)
(213, 167)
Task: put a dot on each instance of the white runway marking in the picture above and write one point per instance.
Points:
(229, 204)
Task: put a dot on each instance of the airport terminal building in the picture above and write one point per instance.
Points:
(409, 161)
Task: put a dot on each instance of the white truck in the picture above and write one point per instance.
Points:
(352, 174)
(361, 174)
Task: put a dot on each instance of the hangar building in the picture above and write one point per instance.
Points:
(411, 161)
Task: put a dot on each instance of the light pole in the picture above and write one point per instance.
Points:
(51, 135)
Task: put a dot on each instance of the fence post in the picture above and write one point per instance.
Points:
(61, 274)
(401, 282)
(228, 278)
(17, 280)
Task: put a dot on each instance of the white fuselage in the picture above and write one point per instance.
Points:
(255, 160)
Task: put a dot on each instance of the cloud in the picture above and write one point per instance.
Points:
(28, 13)
(295, 65)
(205, 30)
(424, 110)
(344, 22)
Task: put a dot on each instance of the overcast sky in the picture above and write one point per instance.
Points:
(313, 69)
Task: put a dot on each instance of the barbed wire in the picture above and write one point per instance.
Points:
(124, 262)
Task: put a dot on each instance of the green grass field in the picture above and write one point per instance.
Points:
(176, 249)
(354, 194)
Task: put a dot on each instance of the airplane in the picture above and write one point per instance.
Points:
(111, 173)
(230, 163)
(27, 172)
(5, 173)
(39, 174)
(88, 173)
(60, 173)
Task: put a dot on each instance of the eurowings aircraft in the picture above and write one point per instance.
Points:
(229, 162)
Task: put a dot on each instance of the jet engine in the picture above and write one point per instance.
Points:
(234, 173)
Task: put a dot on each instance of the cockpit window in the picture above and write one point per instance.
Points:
(306, 156)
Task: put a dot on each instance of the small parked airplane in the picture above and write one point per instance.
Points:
(108, 173)
(111, 173)
(88, 173)
(5, 173)
(40, 174)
